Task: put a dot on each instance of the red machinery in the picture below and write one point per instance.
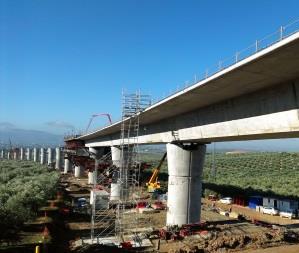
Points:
(175, 233)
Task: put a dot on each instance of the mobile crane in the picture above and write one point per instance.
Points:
(153, 184)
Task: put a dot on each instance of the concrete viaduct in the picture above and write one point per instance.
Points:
(256, 98)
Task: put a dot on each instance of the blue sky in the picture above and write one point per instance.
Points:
(61, 61)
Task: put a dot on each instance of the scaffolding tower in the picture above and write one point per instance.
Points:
(129, 172)
(111, 220)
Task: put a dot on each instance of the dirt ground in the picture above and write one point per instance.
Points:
(280, 249)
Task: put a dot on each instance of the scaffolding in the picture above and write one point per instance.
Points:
(129, 172)
(111, 220)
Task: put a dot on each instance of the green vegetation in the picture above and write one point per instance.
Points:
(271, 173)
(24, 186)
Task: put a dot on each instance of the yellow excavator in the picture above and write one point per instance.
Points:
(153, 184)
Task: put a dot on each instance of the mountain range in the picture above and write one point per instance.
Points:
(19, 137)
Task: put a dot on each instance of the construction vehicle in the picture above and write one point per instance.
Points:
(153, 184)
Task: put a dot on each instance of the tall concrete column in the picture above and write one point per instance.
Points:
(28, 154)
(95, 154)
(2, 154)
(118, 189)
(185, 165)
(49, 156)
(22, 154)
(35, 154)
(58, 159)
(8, 155)
(42, 156)
(67, 165)
(15, 155)
(79, 171)
(116, 156)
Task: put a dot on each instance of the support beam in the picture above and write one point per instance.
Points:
(8, 155)
(2, 154)
(15, 154)
(185, 165)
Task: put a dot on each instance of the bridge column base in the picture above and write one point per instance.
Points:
(185, 165)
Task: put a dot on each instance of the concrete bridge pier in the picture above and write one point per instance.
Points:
(8, 155)
(67, 165)
(79, 171)
(15, 154)
(49, 156)
(35, 154)
(95, 154)
(2, 154)
(116, 156)
(185, 165)
(118, 189)
(22, 154)
(28, 154)
(42, 156)
(58, 158)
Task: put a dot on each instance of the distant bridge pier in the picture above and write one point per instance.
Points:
(185, 165)
(15, 154)
(49, 156)
(35, 154)
(28, 154)
(58, 158)
(42, 156)
(2, 154)
(22, 154)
